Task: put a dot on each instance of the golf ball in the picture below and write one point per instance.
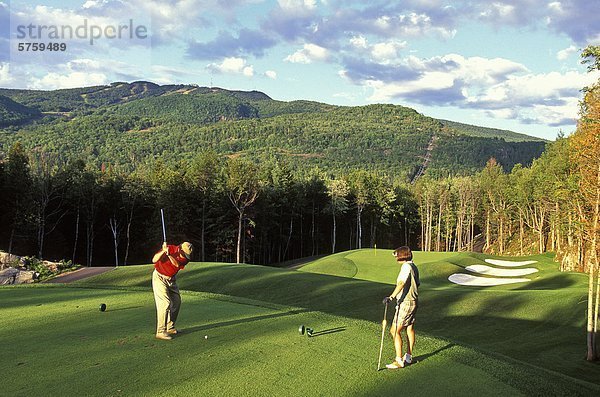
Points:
(205, 336)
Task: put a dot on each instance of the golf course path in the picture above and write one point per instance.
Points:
(79, 274)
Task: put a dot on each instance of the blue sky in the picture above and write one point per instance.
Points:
(511, 64)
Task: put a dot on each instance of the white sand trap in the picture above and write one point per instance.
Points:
(475, 281)
(493, 271)
(498, 262)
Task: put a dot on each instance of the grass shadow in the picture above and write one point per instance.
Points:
(124, 308)
(198, 328)
(424, 357)
(328, 331)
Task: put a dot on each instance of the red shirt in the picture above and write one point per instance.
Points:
(164, 265)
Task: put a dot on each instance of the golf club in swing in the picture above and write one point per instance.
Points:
(383, 324)
(162, 218)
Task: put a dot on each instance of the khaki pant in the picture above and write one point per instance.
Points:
(167, 299)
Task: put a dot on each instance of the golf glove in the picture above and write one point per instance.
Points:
(387, 300)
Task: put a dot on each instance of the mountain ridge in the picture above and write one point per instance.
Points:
(142, 120)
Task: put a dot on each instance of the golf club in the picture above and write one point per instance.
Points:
(383, 324)
(303, 329)
(162, 218)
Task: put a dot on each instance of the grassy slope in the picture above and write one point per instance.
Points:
(541, 322)
(73, 349)
(253, 336)
(503, 319)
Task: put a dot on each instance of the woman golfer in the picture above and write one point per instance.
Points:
(406, 295)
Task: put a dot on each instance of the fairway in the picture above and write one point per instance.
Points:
(500, 340)
(74, 349)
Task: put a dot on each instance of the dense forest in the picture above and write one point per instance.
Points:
(125, 125)
(231, 209)
(87, 173)
(248, 178)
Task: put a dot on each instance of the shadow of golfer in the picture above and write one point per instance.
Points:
(424, 357)
(328, 331)
(123, 308)
(242, 321)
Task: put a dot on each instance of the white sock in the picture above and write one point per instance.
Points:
(399, 359)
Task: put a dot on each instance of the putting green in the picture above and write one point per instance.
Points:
(68, 347)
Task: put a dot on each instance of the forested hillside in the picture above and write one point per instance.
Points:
(126, 124)
(13, 113)
(243, 176)
(473, 130)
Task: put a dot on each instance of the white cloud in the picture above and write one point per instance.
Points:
(384, 52)
(52, 80)
(310, 53)
(555, 6)
(297, 5)
(411, 25)
(359, 42)
(271, 74)
(538, 88)
(499, 87)
(566, 53)
(387, 52)
(162, 74)
(5, 77)
(232, 65)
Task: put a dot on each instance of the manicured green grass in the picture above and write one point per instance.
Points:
(489, 341)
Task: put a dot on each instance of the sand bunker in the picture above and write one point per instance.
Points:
(475, 281)
(498, 262)
(492, 271)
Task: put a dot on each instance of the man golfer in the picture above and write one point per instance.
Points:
(167, 262)
(406, 295)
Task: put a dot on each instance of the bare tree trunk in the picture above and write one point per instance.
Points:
(202, 231)
(312, 230)
(76, 235)
(333, 239)
(128, 235)
(40, 234)
(287, 245)
(591, 347)
(438, 240)
(487, 230)
(301, 233)
(501, 234)
(521, 232)
(472, 223)
(114, 228)
(359, 231)
(459, 232)
(239, 237)
(593, 310)
(10, 241)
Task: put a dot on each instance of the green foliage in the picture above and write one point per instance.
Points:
(591, 57)
(183, 108)
(472, 153)
(128, 124)
(13, 113)
(473, 130)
